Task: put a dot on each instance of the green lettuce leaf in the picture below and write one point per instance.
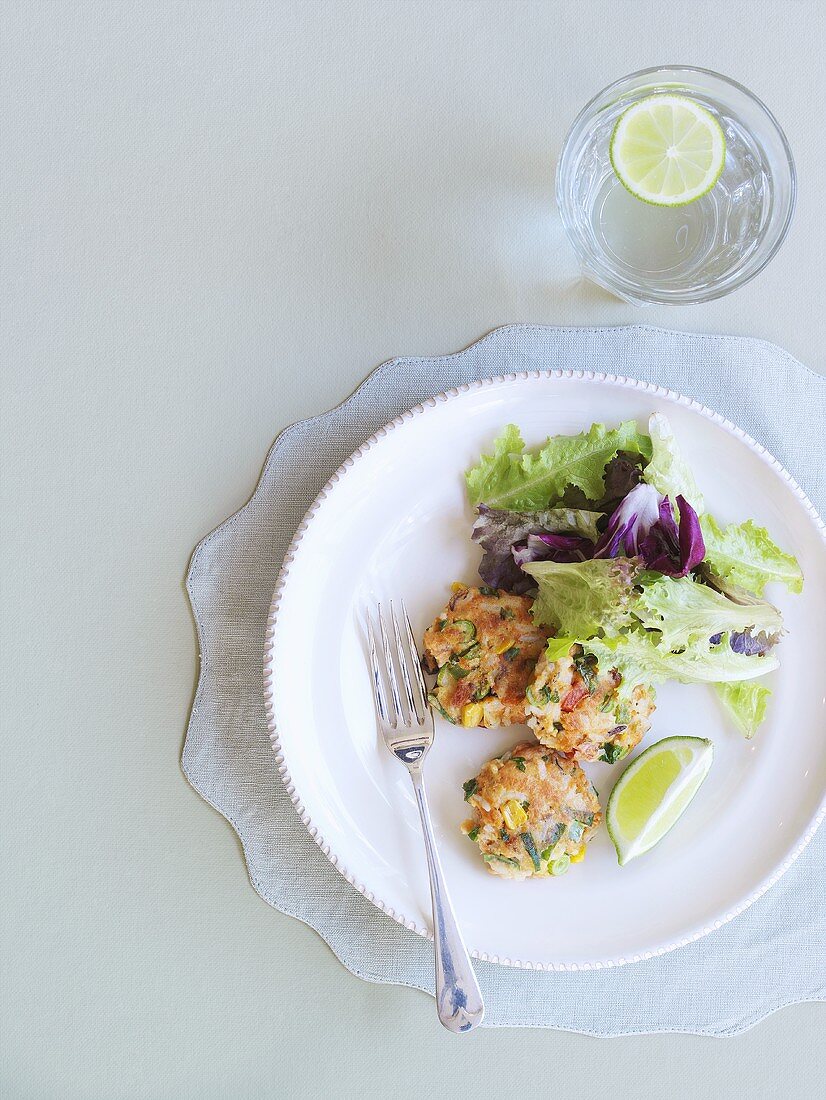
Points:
(639, 660)
(559, 647)
(744, 554)
(684, 611)
(520, 480)
(579, 599)
(668, 471)
(746, 703)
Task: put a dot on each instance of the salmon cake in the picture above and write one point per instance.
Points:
(534, 813)
(576, 709)
(483, 649)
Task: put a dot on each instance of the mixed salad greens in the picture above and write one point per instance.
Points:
(608, 530)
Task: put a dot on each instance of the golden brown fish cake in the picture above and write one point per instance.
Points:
(483, 648)
(534, 812)
(575, 709)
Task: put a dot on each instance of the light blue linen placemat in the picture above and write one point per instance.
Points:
(772, 955)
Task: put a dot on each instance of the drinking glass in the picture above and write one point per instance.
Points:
(690, 253)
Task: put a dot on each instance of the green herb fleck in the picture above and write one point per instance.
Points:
(506, 613)
(486, 591)
(473, 834)
(519, 761)
(511, 653)
(540, 698)
(586, 666)
(469, 788)
(612, 753)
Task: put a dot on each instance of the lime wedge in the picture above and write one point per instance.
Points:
(668, 150)
(653, 791)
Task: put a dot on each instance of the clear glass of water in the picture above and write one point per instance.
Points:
(690, 253)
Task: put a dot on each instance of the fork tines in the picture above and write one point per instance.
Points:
(398, 708)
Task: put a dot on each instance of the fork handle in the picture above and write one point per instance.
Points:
(458, 997)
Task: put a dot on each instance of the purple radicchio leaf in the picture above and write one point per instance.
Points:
(670, 549)
(630, 523)
(545, 546)
(752, 645)
(692, 543)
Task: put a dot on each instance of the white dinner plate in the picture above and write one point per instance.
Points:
(394, 521)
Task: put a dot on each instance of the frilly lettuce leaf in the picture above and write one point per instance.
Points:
(559, 647)
(519, 479)
(744, 554)
(583, 598)
(639, 660)
(746, 704)
(668, 471)
(684, 611)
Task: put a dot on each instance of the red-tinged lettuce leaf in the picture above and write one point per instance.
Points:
(497, 531)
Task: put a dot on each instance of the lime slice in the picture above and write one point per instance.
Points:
(654, 791)
(668, 150)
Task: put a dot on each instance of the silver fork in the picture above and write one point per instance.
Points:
(406, 724)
